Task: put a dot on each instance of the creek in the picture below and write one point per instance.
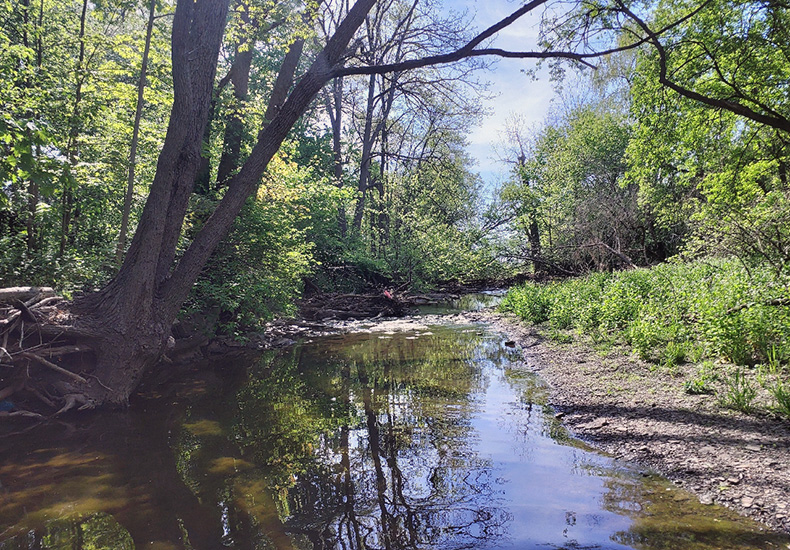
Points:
(421, 433)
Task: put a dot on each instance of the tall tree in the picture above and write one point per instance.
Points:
(138, 115)
(127, 323)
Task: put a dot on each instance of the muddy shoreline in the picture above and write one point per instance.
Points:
(618, 404)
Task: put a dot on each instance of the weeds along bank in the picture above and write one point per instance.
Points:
(731, 321)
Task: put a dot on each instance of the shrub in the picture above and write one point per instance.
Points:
(671, 313)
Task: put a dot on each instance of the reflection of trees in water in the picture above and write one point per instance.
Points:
(86, 533)
(408, 477)
(97, 484)
(360, 446)
(366, 445)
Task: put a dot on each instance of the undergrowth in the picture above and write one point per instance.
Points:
(715, 311)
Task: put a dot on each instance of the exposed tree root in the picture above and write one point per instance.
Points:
(74, 399)
(39, 355)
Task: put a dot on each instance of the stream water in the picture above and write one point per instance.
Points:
(428, 435)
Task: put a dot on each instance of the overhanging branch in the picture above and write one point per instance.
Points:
(771, 120)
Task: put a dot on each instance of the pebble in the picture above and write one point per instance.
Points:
(595, 424)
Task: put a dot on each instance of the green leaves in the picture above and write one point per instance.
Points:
(670, 313)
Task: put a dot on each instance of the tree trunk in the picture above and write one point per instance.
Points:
(138, 115)
(367, 154)
(534, 245)
(234, 125)
(67, 199)
(128, 322)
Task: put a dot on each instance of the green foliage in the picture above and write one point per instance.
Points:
(257, 271)
(570, 210)
(670, 313)
(739, 392)
(65, 128)
(697, 386)
(423, 231)
(780, 391)
(716, 180)
(530, 302)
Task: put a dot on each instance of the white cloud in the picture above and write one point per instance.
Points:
(513, 90)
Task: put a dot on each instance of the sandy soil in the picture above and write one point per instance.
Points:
(635, 411)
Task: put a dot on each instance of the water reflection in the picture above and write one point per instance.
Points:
(426, 439)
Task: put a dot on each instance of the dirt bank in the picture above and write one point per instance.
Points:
(641, 414)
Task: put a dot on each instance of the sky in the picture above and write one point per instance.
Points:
(514, 92)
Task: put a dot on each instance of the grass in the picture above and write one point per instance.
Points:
(739, 392)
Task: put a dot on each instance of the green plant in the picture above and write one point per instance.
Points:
(697, 386)
(701, 384)
(671, 313)
(674, 354)
(739, 392)
(780, 391)
(560, 337)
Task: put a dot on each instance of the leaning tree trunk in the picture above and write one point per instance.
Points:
(127, 324)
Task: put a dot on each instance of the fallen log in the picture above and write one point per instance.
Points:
(24, 293)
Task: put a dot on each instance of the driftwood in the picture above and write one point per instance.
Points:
(31, 334)
(24, 293)
(354, 306)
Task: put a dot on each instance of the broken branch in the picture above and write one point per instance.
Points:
(41, 361)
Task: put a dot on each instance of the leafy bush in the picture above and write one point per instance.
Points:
(257, 271)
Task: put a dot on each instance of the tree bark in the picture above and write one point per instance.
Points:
(367, 155)
(334, 108)
(130, 318)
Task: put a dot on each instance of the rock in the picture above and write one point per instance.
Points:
(747, 502)
(706, 499)
(595, 424)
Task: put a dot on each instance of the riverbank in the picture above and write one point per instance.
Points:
(633, 411)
